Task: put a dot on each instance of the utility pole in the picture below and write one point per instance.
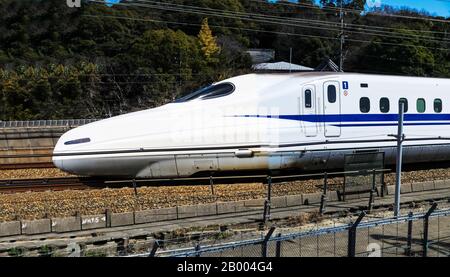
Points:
(290, 60)
(341, 61)
(179, 69)
(398, 174)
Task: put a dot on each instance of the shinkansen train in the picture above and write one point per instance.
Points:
(268, 122)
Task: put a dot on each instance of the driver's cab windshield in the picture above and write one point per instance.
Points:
(209, 92)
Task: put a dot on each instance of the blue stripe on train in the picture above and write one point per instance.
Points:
(356, 117)
(390, 124)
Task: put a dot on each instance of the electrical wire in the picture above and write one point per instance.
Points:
(188, 9)
(285, 33)
(282, 19)
(214, 26)
(356, 25)
(358, 11)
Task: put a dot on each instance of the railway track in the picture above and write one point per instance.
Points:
(45, 184)
(32, 165)
(78, 183)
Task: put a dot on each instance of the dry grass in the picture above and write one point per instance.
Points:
(32, 173)
(34, 205)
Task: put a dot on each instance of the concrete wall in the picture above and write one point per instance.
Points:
(31, 227)
(28, 141)
(122, 219)
(10, 228)
(66, 224)
(442, 184)
(155, 215)
(312, 198)
(93, 221)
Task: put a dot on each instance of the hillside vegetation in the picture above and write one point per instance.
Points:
(97, 61)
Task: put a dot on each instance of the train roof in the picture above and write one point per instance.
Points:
(327, 74)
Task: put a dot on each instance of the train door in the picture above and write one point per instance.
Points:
(309, 110)
(332, 109)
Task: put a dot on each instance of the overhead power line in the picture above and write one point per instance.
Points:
(333, 25)
(364, 29)
(351, 10)
(358, 11)
(367, 30)
(267, 17)
(213, 26)
(256, 30)
(188, 9)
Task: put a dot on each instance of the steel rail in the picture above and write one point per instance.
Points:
(44, 184)
(30, 165)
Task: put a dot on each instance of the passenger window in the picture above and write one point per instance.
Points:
(421, 105)
(438, 105)
(384, 105)
(331, 94)
(218, 91)
(364, 105)
(405, 106)
(308, 98)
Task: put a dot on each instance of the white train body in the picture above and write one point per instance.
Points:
(266, 122)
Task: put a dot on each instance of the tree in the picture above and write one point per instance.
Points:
(208, 42)
(93, 61)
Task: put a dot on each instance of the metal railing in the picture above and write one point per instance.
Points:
(46, 123)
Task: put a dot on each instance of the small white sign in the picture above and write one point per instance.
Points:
(375, 250)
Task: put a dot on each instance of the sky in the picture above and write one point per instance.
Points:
(437, 7)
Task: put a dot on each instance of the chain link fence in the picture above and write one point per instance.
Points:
(413, 235)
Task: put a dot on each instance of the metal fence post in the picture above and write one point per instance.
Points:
(211, 183)
(343, 188)
(154, 249)
(323, 200)
(351, 251)
(409, 239)
(197, 249)
(108, 217)
(372, 190)
(134, 187)
(278, 250)
(425, 229)
(266, 240)
(267, 203)
(383, 183)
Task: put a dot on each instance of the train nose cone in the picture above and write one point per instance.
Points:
(67, 143)
(58, 163)
(66, 164)
(73, 142)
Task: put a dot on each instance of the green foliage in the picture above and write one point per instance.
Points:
(16, 251)
(46, 251)
(223, 235)
(95, 61)
(56, 91)
(95, 253)
(208, 41)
